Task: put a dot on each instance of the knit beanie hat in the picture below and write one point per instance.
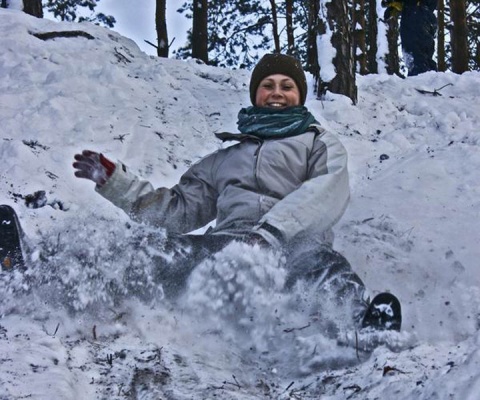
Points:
(271, 64)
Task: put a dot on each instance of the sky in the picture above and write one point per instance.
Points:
(136, 20)
(76, 326)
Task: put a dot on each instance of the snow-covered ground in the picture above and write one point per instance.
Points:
(70, 327)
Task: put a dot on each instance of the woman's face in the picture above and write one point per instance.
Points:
(277, 91)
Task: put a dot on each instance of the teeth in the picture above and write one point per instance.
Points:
(276, 105)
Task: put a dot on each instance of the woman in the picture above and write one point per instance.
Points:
(283, 185)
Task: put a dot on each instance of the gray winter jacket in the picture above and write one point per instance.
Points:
(277, 188)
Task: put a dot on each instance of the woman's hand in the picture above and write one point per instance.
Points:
(93, 166)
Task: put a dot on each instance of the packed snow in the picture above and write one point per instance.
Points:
(86, 320)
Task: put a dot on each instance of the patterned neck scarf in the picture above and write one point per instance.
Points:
(266, 123)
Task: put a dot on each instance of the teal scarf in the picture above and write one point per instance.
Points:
(266, 123)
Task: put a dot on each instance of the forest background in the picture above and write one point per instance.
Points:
(335, 39)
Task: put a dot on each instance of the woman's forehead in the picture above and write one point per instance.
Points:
(278, 77)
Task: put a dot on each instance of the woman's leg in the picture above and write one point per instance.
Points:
(330, 273)
(174, 258)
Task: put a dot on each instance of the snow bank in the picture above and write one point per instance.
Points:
(75, 328)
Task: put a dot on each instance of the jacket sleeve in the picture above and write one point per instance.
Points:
(187, 206)
(319, 202)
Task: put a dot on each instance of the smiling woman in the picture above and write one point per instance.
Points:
(281, 187)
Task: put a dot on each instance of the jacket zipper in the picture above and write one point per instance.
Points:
(255, 165)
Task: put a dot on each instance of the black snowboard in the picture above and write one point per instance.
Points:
(11, 254)
(383, 313)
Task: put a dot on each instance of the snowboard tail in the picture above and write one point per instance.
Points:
(11, 253)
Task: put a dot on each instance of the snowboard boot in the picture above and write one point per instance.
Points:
(11, 254)
(383, 313)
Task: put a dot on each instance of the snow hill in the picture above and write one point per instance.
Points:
(412, 227)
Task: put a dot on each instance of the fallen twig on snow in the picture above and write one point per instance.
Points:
(436, 92)
(387, 369)
(232, 383)
(354, 388)
(288, 330)
(121, 57)
(62, 34)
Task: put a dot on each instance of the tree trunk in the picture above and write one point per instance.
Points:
(276, 36)
(161, 26)
(372, 37)
(289, 27)
(459, 36)
(344, 60)
(200, 30)
(360, 36)
(33, 7)
(441, 57)
(476, 57)
(313, 30)
(4, 4)
(392, 59)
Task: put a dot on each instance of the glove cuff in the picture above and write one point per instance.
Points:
(108, 165)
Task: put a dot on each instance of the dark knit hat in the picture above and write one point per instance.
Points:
(271, 64)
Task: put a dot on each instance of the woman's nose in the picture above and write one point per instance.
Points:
(277, 91)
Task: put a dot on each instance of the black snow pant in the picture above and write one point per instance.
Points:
(306, 260)
(330, 272)
(184, 253)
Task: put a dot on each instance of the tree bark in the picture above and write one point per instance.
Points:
(200, 30)
(289, 27)
(344, 61)
(392, 59)
(33, 7)
(441, 57)
(276, 36)
(476, 57)
(161, 26)
(313, 30)
(372, 37)
(360, 36)
(459, 40)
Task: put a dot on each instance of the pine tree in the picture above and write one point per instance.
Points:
(199, 36)
(315, 26)
(441, 50)
(67, 10)
(459, 41)
(33, 7)
(276, 35)
(473, 25)
(236, 30)
(360, 36)
(289, 27)
(372, 36)
(161, 27)
(340, 32)
(449, 35)
(392, 58)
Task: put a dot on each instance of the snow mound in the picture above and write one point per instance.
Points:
(89, 321)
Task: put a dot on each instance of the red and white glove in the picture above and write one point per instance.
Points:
(93, 166)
